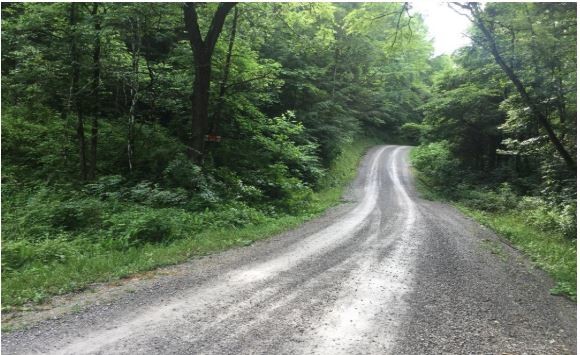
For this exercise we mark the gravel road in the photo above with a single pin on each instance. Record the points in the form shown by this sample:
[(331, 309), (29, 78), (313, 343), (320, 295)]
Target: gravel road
[(386, 272)]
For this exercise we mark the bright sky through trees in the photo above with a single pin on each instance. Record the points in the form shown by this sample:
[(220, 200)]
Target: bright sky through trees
[(446, 27)]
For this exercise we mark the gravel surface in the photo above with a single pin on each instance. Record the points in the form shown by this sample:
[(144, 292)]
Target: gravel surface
[(386, 272)]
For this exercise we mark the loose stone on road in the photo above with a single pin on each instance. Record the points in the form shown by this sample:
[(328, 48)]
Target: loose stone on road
[(388, 273)]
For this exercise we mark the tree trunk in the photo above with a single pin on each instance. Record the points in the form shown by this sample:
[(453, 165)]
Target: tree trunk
[(76, 74), (134, 87), (202, 53), (542, 119), (96, 85), (336, 57)]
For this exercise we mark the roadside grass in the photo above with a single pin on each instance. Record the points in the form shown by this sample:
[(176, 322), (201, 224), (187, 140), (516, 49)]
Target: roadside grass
[(38, 282), (551, 252), (547, 248), (495, 248), (84, 261)]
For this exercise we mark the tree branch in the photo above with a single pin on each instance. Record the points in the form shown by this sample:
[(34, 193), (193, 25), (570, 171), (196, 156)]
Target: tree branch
[(479, 22), (191, 24), (216, 24)]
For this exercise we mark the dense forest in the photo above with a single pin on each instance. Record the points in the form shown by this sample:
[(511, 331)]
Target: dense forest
[(136, 135), (498, 134)]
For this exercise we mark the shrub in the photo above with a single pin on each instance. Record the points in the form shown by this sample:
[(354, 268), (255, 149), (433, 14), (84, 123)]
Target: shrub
[(542, 215), (436, 163), (286, 192), (106, 187), (181, 172), (503, 199), (60, 248), (15, 254), (151, 194), (138, 226), (76, 214), (235, 216), (150, 229), (38, 213)]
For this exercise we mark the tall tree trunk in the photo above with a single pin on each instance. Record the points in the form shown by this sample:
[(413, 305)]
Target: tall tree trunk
[(536, 111), (76, 74), (223, 84), (336, 57), (96, 85), (134, 87), (202, 53)]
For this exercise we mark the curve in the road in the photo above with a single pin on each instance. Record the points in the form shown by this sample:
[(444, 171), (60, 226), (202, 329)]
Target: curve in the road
[(391, 273)]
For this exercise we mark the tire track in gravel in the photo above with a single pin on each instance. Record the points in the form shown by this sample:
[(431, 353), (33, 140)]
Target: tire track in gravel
[(227, 290), (392, 273)]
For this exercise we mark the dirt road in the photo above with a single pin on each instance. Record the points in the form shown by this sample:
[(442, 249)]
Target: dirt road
[(385, 272)]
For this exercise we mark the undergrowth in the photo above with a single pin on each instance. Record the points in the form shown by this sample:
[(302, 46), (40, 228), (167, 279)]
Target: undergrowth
[(544, 233), (56, 242)]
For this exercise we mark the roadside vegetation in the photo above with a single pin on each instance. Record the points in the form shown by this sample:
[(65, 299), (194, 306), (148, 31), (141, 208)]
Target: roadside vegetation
[(137, 135), (499, 132), (68, 241), (543, 232)]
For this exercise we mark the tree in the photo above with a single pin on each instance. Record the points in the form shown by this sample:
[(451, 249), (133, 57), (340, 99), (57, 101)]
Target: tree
[(75, 91), (96, 87), (478, 17), (202, 49)]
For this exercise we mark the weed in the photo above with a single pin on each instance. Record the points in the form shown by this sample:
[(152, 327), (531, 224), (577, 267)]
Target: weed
[(123, 237), (495, 248), (551, 252), (544, 233)]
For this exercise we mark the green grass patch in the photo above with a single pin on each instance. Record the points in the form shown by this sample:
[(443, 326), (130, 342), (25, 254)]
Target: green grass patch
[(495, 248), (551, 252), (541, 232), (38, 281), (129, 238)]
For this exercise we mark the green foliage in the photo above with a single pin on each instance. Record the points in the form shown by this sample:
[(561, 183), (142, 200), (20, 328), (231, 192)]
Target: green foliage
[(181, 172), (412, 132), (500, 200), (34, 143), (138, 226), (76, 214), (483, 147), (437, 163), (542, 215), (547, 249), (40, 259)]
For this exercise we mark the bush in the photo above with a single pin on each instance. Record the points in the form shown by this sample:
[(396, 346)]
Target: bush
[(503, 199), (542, 215), (286, 192), (37, 213), (139, 226), (181, 172), (33, 145), (60, 248), (16, 254), (150, 229), (151, 194), (76, 214), (106, 187), (436, 164), (236, 215)]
